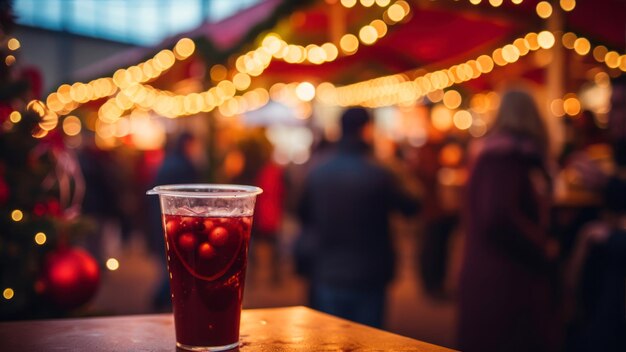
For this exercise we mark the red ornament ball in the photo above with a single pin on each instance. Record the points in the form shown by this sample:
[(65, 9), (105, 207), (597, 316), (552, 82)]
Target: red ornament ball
[(70, 277)]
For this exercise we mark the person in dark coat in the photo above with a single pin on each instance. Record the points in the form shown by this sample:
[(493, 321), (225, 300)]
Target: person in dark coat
[(508, 295), (598, 266), (344, 210)]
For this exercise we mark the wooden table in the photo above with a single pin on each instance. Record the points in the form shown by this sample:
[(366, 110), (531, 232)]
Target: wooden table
[(274, 329)]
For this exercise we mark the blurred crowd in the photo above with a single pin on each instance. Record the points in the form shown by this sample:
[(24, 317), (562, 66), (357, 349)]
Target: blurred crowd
[(544, 255)]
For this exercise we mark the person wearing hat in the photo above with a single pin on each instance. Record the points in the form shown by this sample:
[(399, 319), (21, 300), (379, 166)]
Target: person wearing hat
[(344, 210)]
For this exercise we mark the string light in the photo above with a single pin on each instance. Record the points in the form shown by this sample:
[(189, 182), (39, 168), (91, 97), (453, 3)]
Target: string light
[(15, 117), (394, 89), (567, 5), (131, 93), (252, 64), (462, 119), (17, 215), (8, 293), (571, 105), (305, 91), (13, 44), (40, 238), (544, 9), (112, 264), (9, 60), (452, 99), (349, 44), (72, 125)]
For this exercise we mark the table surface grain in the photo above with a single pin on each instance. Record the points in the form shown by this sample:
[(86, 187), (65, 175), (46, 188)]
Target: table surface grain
[(271, 329)]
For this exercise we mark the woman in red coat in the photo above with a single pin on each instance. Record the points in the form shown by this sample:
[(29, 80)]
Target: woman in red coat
[(507, 286)]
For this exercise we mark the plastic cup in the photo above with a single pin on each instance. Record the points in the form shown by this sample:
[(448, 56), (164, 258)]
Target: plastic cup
[(207, 231)]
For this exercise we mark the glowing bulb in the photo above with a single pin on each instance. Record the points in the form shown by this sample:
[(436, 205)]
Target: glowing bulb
[(533, 41), (462, 119), (241, 81), (612, 59), (164, 59), (571, 106), (568, 5), (331, 51), (17, 215), (15, 116), (315, 54), (545, 39), (485, 63), (13, 44), (272, 43), (582, 46), (544, 9), (396, 12), (452, 99), (495, 3), (40, 238), (568, 40), (349, 43), (383, 3), (294, 54), (522, 46), (510, 53), (8, 293), (475, 2), (368, 35), (9, 60), (227, 88), (498, 58), (72, 125), (367, 3), (305, 91), (599, 52), (112, 264), (184, 48), (380, 27)]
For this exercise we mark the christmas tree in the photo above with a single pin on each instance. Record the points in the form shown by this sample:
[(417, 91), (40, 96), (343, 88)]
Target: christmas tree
[(41, 275)]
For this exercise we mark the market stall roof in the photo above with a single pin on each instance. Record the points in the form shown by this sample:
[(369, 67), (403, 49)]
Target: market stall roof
[(437, 34)]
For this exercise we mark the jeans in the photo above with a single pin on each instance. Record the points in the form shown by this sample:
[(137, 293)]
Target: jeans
[(365, 306)]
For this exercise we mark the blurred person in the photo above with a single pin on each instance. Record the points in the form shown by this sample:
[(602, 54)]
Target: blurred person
[(508, 296), (344, 211), (597, 270), (177, 167), (260, 170), (102, 193), (439, 218), (582, 134)]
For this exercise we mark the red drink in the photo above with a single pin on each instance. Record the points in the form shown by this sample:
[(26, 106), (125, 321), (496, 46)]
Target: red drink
[(207, 258)]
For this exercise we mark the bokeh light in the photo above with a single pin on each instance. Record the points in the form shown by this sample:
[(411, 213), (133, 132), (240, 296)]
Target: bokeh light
[(112, 264)]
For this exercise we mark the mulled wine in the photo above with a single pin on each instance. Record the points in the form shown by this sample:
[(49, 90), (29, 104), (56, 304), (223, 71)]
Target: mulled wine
[(207, 259)]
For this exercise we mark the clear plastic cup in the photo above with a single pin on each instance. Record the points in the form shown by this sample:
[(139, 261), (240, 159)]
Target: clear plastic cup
[(207, 231)]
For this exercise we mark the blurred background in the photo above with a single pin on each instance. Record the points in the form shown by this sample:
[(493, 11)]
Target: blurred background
[(101, 100)]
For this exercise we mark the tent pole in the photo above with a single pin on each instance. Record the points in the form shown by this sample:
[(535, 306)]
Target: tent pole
[(555, 79), (337, 22)]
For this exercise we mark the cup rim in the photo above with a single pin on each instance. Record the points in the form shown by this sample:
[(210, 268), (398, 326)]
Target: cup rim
[(205, 190)]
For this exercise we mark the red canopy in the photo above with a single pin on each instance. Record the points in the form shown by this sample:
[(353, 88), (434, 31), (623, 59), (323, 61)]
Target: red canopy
[(436, 35)]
